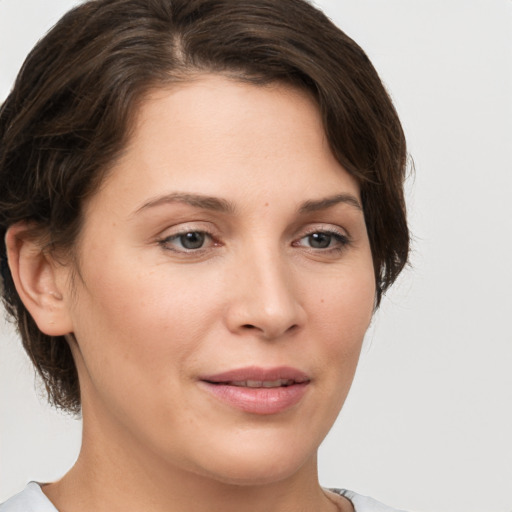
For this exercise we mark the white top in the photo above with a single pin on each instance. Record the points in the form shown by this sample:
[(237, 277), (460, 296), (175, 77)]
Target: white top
[(361, 503), (32, 499)]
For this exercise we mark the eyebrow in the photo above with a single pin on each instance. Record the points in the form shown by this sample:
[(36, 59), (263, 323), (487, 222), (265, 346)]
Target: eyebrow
[(329, 202), (196, 200), (222, 205)]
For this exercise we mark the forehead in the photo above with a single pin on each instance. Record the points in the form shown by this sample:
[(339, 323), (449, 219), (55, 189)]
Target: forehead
[(213, 106), (218, 137)]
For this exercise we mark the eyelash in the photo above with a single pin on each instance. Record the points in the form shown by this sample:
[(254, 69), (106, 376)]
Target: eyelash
[(341, 239)]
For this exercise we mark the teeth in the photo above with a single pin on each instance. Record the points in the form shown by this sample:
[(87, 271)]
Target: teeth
[(253, 383), (262, 384), (273, 383)]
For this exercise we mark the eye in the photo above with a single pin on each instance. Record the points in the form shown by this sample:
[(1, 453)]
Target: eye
[(323, 240), (319, 240), (192, 240), (186, 241)]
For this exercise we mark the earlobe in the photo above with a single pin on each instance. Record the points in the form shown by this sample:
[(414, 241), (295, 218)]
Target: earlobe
[(39, 280)]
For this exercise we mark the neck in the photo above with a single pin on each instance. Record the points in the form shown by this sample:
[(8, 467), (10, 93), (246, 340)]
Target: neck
[(117, 473)]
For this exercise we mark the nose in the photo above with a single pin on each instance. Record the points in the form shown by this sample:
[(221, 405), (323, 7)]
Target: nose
[(264, 298)]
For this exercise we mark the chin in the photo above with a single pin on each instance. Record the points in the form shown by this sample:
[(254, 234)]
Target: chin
[(246, 475), (257, 463)]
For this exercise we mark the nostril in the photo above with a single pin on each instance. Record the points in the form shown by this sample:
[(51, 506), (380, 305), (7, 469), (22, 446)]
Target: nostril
[(267, 332), (292, 328)]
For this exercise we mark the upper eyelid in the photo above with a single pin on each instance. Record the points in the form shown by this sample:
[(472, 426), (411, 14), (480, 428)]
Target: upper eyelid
[(177, 234), (187, 227), (185, 231), (342, 237), (215, 232), (324, 228)]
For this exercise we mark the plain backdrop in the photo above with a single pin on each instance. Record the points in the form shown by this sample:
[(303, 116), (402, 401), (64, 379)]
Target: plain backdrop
[(428, 423)]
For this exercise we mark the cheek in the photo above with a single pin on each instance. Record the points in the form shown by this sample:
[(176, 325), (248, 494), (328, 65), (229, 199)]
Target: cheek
[(148, 321), (344, 312), (346, 304), (136, 339)]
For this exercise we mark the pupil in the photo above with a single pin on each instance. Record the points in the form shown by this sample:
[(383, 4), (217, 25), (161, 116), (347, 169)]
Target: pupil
[(193, 240), (320, 240)]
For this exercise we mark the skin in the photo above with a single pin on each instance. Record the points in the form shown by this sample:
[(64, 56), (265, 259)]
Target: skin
[(151, 317)]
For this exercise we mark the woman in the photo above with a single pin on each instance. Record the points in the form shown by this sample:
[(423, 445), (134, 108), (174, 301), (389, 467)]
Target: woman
[(202, 208)]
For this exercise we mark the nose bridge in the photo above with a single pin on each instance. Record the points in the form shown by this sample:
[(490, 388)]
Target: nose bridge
[(266, 298)]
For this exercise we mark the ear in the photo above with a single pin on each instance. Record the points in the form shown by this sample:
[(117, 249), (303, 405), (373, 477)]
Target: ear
[(41, 282)]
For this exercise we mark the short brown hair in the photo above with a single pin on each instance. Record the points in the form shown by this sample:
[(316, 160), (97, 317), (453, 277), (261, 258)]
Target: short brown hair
[(68, 116)]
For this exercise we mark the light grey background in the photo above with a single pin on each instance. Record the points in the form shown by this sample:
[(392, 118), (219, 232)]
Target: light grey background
[(428, 424)]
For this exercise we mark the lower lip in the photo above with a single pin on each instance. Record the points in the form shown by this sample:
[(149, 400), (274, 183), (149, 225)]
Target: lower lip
[(258, 400)]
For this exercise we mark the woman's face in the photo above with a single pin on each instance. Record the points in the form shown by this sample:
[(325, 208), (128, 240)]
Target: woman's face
[(226, 284)]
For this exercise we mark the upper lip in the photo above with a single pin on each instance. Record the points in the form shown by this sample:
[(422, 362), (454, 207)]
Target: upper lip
[(255, 373)]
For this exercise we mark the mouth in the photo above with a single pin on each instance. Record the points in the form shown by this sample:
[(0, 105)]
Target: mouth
[(258, 391), (258, 383)]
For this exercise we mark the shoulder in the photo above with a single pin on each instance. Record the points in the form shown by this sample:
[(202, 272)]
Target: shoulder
[(31, 499), (363, 503)]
